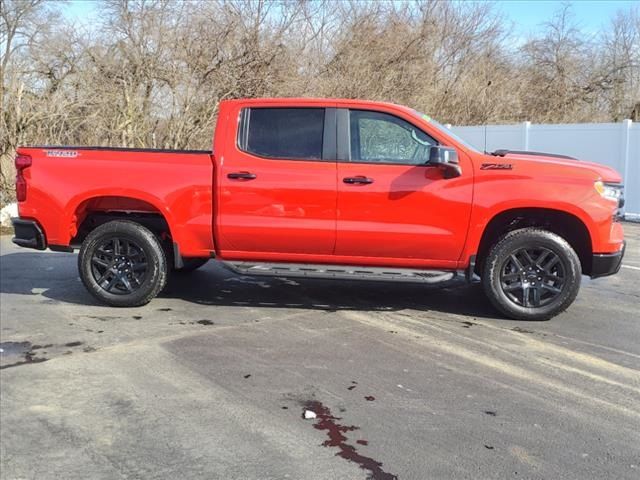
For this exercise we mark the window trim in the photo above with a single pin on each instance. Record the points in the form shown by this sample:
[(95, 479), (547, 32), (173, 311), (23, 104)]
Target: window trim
[(344, 138), (329, 130)]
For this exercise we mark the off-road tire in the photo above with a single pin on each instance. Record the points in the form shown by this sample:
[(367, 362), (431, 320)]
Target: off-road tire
[(500, 257), (147, 246)]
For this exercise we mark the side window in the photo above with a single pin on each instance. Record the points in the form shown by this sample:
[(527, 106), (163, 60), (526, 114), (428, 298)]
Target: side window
[(294, 133), (382, 138)]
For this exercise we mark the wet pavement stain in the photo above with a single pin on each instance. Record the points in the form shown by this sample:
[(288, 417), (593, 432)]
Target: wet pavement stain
[(28, 360), (14, 348), (205, 322), (102, 318), (335, 431), (522, 330), (19, 349), (198, 322), (29, 352)]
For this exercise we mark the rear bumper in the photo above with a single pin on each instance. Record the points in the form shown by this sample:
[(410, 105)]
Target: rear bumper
[(28, 234), (607, 263)]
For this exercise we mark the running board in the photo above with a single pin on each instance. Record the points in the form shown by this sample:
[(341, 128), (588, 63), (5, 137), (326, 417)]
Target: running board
[(342, 272)]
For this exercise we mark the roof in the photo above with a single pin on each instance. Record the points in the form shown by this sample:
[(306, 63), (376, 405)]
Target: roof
[(323, 101)]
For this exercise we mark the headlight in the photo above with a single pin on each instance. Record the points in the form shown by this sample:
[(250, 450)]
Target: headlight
[(612, 191)]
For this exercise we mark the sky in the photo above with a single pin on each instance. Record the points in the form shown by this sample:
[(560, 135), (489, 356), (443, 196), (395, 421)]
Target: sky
[(590, 15), (527, 15)]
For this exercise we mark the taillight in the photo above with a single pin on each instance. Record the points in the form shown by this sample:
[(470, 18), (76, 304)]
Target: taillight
[(21, 162)]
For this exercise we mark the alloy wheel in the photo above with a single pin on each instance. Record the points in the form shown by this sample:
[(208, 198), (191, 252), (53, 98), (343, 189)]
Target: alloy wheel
[(533, 277), (119, 265)]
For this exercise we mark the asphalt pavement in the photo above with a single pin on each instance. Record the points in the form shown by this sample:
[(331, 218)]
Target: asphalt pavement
[(211, 380)]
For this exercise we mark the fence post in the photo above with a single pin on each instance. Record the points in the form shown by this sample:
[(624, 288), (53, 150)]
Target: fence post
[(525, 134), (626, 139)]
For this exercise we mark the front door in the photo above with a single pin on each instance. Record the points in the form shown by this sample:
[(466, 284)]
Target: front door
[(277, 184), (391, 206)]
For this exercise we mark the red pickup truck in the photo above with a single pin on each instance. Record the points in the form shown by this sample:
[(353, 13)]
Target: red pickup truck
[(343, 189)]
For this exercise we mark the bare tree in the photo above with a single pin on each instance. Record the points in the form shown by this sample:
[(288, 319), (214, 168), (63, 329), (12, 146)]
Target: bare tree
[(152, 72)]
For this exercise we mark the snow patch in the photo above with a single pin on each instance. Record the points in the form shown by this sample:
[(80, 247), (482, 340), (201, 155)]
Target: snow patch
[(10, 210)]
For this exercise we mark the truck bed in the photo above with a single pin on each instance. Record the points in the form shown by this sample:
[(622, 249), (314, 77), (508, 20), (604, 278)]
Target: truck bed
[(69, 183)]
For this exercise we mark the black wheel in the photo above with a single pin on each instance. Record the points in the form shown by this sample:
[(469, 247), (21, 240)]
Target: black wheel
[(122, 264), (191, 264), (531, 274)]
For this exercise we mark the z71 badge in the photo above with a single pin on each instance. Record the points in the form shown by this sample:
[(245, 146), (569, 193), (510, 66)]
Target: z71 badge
[(496, 166), (61, 153)]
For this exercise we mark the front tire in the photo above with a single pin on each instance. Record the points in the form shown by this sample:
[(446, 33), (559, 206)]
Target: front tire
[(531, 274), (122, 264)]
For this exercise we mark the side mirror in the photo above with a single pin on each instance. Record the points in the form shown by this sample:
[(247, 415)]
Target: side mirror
[(445, 158)]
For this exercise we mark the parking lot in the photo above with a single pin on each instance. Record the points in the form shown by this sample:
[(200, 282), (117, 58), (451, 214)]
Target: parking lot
[(211, 380)]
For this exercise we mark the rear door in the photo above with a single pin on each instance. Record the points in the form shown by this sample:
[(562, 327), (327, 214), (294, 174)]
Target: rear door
[(277, 183), (392, 207)]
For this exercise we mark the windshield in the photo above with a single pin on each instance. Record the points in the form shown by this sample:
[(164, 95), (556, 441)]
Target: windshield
[(446, 131)]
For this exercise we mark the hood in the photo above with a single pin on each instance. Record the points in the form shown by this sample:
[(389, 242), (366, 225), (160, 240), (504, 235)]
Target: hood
[(606, 174)]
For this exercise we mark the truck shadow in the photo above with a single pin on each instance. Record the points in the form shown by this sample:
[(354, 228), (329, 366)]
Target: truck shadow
[(55, 277)]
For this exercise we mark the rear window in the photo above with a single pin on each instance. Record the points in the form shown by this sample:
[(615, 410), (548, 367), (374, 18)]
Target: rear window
[(291, 133)]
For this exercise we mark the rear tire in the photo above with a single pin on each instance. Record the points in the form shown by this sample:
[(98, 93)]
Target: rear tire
[(122, 264), (531, 274)]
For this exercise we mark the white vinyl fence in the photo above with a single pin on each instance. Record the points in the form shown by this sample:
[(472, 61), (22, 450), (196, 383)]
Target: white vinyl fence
[(613, 144)]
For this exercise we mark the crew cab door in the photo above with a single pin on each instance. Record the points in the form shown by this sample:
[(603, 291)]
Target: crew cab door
[(393, 207), (277, 183)]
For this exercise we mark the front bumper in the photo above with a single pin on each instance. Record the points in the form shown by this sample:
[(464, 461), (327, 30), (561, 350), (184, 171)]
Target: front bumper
[(607, 263), (28, 234)]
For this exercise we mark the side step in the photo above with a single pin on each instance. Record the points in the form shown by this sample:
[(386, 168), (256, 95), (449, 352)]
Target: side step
[(342, 272)]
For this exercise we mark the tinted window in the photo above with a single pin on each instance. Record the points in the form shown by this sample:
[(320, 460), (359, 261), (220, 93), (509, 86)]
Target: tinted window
[(282, 132), (382, 138)]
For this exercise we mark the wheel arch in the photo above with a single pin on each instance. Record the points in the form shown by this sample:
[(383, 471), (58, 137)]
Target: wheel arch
[(95, 210), (565, 224)]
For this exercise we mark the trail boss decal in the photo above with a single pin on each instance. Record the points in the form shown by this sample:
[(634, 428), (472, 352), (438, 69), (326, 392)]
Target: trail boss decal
[(496, 166), (61, 153)]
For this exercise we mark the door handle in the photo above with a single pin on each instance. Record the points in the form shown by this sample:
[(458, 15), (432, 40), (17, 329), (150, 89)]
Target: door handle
[(241, 176), (359, 180)]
